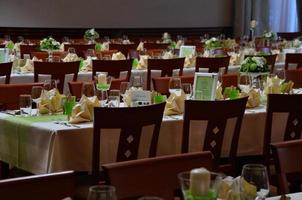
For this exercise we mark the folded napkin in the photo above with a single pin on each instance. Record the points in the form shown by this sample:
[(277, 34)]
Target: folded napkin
[(168, 55), (127, 96), (229, 43), (253, 98), (29, 65), (219, 95), (175, 104), (190, 61), (83, 111), (143, 62), (235, 58), (71, 57), (105, 46), (140, 47), (87, 65), (118, 56), (126, 42), (206, 53), (50, 102), (17, 46), (272, 85), (287, 87)]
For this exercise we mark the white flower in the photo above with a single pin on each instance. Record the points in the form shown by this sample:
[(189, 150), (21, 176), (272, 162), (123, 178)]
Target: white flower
[(213, 39), (296, 43), (92, 31)]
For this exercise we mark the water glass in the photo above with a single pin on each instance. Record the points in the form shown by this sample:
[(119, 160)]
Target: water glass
[(103, 82), (103, 97), (71, 50), (244, 82), (137, 81), (114, 98), (187, 88), (68, 105), (175, 86), (25, 104), (254, 182), (88, 89), (90, 53), (101, 192), (50, 84)]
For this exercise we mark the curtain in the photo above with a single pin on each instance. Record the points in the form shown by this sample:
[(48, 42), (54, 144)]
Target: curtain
[(247, 10), (299, 14)]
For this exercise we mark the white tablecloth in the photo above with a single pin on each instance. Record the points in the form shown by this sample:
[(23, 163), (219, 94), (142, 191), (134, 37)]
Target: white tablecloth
[(294, 196), (48, 147)]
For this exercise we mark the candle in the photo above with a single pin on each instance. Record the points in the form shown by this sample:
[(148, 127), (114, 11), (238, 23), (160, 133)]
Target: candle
[(199, 182), (102, 79)]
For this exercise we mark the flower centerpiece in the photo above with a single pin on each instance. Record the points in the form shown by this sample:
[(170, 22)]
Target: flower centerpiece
[(166, 38), (254, 65), (91, 34), (49, 44), (270, 35), (213, 43)]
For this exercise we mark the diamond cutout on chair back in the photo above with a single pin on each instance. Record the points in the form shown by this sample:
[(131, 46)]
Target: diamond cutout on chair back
[(213, 143), (130, 139), (127, 153), (295, 122), (293, 134), (215, 130)]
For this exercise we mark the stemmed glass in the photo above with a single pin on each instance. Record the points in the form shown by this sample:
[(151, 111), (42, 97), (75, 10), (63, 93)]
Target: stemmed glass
[(137, 82), (102, 192), (244, 82), (254, 182), (175, 86), (114, 98), (279, 72), (187, 88), (36, 93), (88, 89), (25, 105), (50, 84), (71, 50)]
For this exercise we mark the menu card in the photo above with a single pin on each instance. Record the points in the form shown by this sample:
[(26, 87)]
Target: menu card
[(4, 57), (205, 86), (187, 51)]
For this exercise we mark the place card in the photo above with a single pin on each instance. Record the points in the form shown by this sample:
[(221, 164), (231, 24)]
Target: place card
[(186, 51), (204, 87), (140, 98), (4, 56)]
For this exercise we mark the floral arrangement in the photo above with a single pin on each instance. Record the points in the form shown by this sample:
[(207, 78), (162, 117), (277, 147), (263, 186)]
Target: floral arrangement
[(297, 43), (49, 43), (253, 24), (91, 34), (254, 64), (166, 38), (270, 35), (213, 43)]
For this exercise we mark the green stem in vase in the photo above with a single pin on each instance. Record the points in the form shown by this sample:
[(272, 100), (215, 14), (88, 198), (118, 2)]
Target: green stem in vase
[(103, 86)]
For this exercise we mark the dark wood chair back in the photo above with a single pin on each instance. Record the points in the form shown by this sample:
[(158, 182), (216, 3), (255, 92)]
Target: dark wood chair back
[(55, 186), (161, 84), (287, 161), (10, 94), (44, 55), (281, 103), (213, 63), (130, 120), (229, 80), (80, 49), (151, 45), (167, 66), (270, 60), (216, 113), (105, 54), (123, 48), (293, 58), (294, 75), (153, 176), (5, 70), (27, 49), (112, 67), (57, 70)]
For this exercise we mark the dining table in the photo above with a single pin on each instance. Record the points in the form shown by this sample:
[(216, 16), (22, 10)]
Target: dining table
[(49, 143), (293, 196)]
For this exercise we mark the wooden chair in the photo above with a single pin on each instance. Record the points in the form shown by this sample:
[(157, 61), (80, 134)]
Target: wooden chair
[(80, 49), (55, 186), (161, 84), (294, 75), (27, 49), (293, 58), (130, 120), (166, 66), (216, 113), (213, 63), (75, 87), (57, 70), (153, 176), (151, 45), (112, 67), (103, 54), (281, 103), (123, 48), (270, 60), (10, 94), (5, 70), (287, 161), (44, 55)]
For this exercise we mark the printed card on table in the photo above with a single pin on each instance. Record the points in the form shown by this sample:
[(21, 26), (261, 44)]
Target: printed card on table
[(4, 56), (205, 86), (187, 51)]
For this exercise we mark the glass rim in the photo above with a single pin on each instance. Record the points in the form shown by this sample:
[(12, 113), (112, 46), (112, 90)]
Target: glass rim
[(102, 188), (254, 166), (179, 175)]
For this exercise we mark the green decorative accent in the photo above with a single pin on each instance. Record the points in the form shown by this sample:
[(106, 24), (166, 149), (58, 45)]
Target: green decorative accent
[(91, 34), (68, 105), (254, 64), (172, 45), (213, 43), (135, 63), (159, 99), (81, 63), (10, 45), (103, 86), (49, 44), (98, 46), (211, 195), (231, 92)]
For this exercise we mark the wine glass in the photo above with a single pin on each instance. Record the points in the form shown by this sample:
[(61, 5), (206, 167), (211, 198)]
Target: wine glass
[(101, 192), (71, 50), (114, 98), (103, 81), (103, 97), (50, 84), (279, 72), (25, 105), (175, 86), (187, 88), (137, 81), (36, 93), (254, 182), (244, 82), (88, 89)]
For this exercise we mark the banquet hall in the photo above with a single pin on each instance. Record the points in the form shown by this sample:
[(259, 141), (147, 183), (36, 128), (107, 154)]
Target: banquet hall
[(150, 100)]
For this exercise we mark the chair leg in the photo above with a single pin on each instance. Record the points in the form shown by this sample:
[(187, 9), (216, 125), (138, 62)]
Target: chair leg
[(4, 170)]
